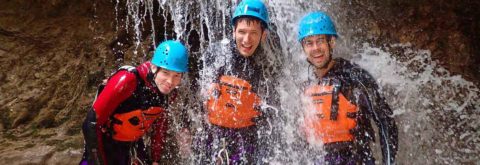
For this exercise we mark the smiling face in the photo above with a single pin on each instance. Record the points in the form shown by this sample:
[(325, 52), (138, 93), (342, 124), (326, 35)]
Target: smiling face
[(248, 34), (166, 80), (318, 50)]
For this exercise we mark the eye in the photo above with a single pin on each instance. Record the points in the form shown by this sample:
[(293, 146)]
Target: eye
[(164, 72), (178, 75), (322, 40), (308, 43)]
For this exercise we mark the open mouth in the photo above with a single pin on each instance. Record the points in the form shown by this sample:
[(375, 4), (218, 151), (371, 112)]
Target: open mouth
[(247, 48), (318, 58)]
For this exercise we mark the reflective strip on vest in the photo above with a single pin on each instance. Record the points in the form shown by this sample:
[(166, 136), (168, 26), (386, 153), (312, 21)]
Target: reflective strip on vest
[(231, 103), (134, 124), (319, 125)]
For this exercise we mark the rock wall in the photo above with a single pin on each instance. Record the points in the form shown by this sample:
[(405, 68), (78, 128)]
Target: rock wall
[(449, 29), (52, 55)]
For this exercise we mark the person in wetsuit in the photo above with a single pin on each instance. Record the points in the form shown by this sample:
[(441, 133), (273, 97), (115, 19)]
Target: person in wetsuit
[(134, 102), (341, 101), (233, 103)]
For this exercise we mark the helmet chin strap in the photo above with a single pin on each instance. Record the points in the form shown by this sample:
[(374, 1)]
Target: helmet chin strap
[(151, 77)]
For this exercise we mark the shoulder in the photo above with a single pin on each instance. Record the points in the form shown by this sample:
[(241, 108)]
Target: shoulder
[(123, 77), (143, 70), (348, 67), (352, 73), (122, 81)]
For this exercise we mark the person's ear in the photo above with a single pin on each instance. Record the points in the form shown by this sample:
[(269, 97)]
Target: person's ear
[(153, 68), (303, 47), (264, 35), (233, 31), (333, 41)]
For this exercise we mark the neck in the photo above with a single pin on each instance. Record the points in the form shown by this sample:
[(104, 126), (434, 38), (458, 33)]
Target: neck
[(320, 72)]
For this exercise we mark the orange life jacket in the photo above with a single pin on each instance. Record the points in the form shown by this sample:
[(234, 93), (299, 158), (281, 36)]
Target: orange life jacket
[(324, 125), (231, 103), (132, 125)]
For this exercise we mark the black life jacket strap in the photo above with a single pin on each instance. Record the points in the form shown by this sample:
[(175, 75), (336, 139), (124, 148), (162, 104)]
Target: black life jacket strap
[(334, 109)]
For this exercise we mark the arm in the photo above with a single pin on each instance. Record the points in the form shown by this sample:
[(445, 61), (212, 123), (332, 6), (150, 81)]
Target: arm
[(382, 115), (117, 89)]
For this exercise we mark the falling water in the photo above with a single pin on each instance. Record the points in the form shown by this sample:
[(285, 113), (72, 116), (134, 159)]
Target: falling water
[(436, 112)]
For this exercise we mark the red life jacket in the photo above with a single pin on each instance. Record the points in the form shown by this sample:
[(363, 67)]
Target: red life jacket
[(232, 103), (133, 125), (329, 117)]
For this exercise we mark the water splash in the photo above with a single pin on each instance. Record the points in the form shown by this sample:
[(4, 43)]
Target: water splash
[(437, 112), (431, 106)]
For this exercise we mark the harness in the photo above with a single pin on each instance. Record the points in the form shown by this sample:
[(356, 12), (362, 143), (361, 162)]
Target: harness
[(329, 116), (232, 103)]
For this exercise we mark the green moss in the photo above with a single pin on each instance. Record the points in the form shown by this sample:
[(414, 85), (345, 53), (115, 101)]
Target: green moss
[(43, 136), (73, 131), (69, 144), (29, 145), (32, 131), (5, 120), (26, 146), (9, 135), (53, 142), (5, 144)]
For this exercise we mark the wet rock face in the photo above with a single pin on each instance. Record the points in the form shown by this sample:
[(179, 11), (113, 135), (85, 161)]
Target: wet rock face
[(48, 54), (448, 29), (53, 54)]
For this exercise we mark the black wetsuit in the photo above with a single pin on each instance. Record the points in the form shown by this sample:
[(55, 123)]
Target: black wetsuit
[(360, 89)]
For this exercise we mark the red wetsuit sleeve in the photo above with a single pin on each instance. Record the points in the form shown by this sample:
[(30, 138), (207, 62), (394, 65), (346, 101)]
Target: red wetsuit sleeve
[(118, 88), (159, 131)]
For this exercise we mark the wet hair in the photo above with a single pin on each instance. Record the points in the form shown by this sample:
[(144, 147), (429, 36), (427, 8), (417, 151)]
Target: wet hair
[(329, 41), (328, 37), (249, 20)]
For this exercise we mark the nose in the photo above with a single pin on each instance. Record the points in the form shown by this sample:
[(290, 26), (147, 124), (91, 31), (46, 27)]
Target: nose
[(247, 38), (169, 80), (316, 46)]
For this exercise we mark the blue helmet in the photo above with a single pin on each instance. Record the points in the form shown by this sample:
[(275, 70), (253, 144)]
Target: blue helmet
[(316, 23), (171, 55), (253, 8)]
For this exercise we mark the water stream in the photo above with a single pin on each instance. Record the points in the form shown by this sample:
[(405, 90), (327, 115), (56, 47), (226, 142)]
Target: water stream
[(437, 112)]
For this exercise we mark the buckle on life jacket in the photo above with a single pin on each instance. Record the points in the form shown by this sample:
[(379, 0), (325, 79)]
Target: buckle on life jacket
[(231, 103)]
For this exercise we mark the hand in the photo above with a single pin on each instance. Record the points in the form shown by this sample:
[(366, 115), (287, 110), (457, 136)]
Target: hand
[(155, 163)]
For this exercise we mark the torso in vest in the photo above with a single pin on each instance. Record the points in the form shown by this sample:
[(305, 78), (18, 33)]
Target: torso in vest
[(233, 101), (330, 111), (132, 119)]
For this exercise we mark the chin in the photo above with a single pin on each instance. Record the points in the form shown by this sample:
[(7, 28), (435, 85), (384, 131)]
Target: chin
[(246, 54), (166, 92)]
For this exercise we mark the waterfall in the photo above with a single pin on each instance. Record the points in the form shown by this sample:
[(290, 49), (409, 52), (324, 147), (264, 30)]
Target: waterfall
[(437, 112)]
